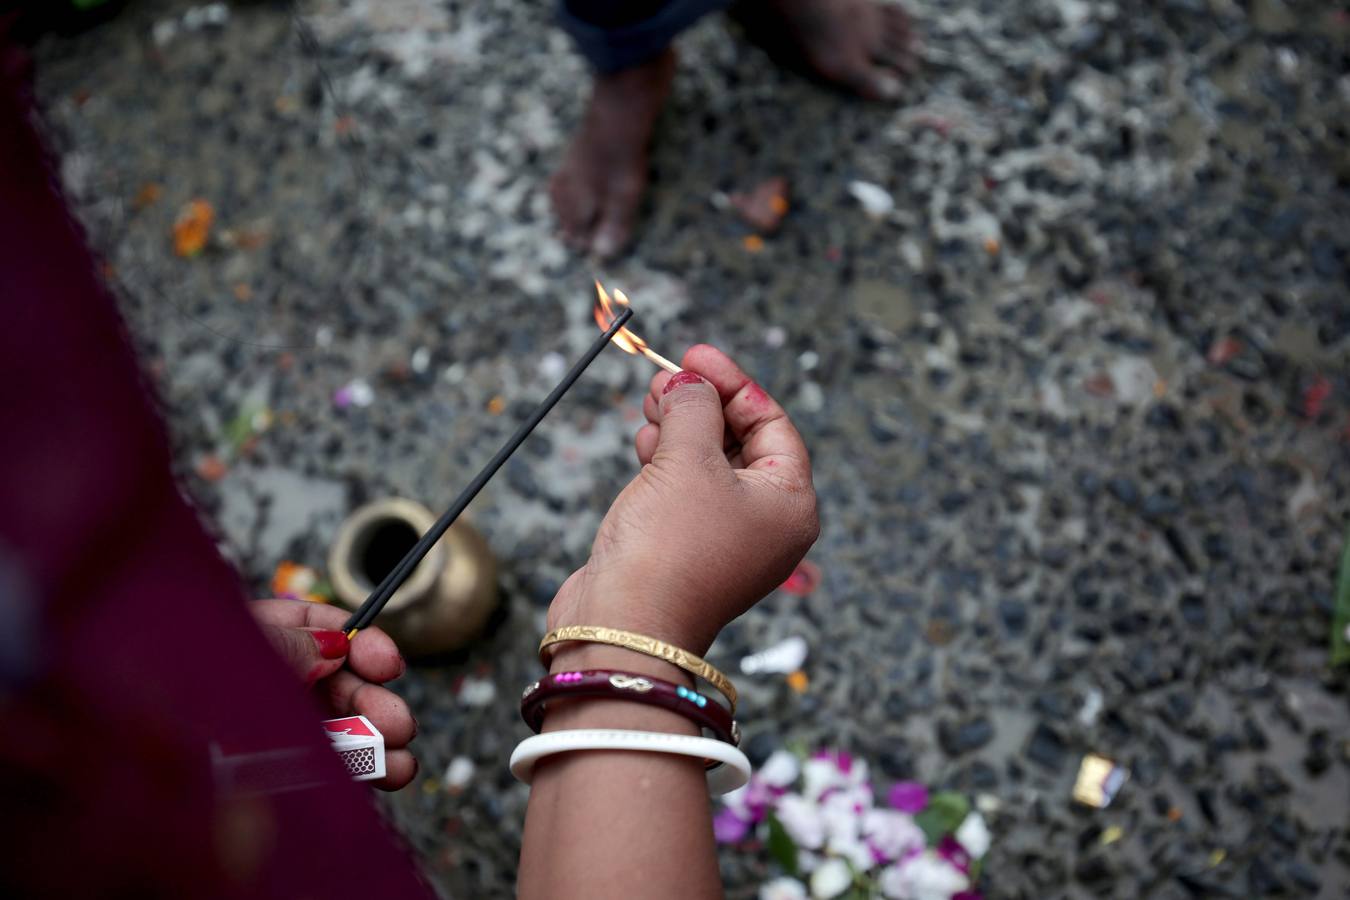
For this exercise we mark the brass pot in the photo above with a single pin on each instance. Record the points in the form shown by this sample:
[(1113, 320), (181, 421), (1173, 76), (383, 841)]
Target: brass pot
[(446, 600)]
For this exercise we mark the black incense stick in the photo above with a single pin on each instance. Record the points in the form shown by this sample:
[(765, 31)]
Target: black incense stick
[(391, 582)]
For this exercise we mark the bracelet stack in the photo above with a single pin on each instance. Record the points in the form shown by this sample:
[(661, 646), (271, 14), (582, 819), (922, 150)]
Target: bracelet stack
[(728, 768)]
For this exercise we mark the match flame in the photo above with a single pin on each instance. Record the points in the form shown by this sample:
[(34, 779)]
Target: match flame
[(606, 310)]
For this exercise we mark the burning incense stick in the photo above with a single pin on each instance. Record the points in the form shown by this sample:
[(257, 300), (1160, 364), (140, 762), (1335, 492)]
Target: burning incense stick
[(625, 339), (394, 580)]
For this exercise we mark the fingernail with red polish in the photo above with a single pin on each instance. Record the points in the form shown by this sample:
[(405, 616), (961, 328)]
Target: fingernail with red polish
[(681, 378), (332, 644)]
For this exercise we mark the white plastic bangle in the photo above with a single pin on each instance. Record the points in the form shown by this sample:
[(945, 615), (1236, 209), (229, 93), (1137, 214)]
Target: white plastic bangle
[(732, 774)]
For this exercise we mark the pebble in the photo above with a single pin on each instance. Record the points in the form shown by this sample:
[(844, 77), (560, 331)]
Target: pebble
[(875, 200), (961, 737)]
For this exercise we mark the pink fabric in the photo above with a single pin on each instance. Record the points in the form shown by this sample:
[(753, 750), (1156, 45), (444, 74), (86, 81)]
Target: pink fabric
[(127, 657)]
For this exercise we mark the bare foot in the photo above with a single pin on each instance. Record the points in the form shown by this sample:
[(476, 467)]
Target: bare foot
[(597, 189), (860, 45)]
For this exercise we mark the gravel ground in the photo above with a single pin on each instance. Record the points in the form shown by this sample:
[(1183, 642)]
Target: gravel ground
[(1078, 401)]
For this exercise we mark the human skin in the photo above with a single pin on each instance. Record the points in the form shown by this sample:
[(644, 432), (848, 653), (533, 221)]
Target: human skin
[(721, 512)]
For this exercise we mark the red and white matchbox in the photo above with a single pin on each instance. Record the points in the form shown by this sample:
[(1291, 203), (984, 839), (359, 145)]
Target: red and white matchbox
[(359, 744)]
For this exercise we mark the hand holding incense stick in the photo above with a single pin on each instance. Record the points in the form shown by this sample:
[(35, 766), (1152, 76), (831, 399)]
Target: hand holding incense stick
[(391, 582)]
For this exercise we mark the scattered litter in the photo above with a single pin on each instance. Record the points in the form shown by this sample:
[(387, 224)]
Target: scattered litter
[(988, 804), (798, 681), (808, 360), (193, 227), (215, 14), (992, 246), (458, 774), (803, 580), (1316, 396), (763, 206), (147, 195), (293, 581), (775, 336), (753, 243), (939, 632), (242, 292), (1111, 834), (552, 365), (477, 691), (1217, 856), (1222, 350), (1092, 707), (1304, 498), (243, 238), (785, 656), (211, 468), (421, 359), (496, 405), (1099, 780), (164, 31), (356, 392), (876, 201), (1174, 814), (252, 420), (323, 336)]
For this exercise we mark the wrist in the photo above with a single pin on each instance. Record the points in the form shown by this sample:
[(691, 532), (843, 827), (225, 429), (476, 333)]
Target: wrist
[(645, 610)]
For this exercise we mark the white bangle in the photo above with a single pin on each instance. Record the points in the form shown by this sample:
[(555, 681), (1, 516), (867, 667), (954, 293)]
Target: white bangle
[(732, 774)]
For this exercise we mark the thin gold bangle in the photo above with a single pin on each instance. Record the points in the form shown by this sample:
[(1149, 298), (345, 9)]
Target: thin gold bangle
[(640, 643)]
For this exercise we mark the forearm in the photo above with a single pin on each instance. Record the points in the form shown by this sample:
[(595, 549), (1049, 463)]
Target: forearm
[(618, 824)]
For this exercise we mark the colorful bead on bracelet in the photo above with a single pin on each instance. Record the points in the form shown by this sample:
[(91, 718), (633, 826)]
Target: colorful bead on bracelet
[(608, 683)]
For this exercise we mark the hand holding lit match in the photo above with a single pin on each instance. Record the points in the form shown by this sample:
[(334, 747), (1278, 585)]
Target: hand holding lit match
[(706, 529)]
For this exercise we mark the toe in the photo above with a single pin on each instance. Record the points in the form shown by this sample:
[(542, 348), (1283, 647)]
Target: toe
[(861, 76), (898, 42), (574, 204), (615, 227)]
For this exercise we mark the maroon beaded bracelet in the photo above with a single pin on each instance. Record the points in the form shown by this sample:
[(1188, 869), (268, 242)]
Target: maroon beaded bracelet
[(627, 686)]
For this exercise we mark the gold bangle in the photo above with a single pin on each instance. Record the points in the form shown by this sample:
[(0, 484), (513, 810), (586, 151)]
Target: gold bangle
[(640, 643)]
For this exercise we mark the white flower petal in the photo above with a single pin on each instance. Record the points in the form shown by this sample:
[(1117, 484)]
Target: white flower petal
[(973, 835), (802, 821), (780, 769), (923, 877), (831, 879), (818, 776), (783, 889), (893, 833)]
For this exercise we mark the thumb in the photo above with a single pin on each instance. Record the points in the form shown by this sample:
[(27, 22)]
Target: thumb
[(312, 653), (691, 419)]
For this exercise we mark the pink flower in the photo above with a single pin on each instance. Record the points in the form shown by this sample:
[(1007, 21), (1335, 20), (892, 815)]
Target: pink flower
[(729, 828), (952, 851), (908, 797), (842, 759), (891, 835)]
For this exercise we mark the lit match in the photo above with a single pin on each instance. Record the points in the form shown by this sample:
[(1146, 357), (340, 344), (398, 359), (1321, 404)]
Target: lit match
[(625, 339)]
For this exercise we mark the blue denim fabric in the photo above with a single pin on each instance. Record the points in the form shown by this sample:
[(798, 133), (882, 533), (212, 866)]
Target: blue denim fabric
[(619, 34)]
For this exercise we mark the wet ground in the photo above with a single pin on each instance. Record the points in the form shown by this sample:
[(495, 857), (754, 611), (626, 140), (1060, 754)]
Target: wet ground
[(1078, 400)]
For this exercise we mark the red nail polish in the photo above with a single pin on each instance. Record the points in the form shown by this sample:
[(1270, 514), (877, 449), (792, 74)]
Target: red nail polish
[(681, 378), (332, 644)]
